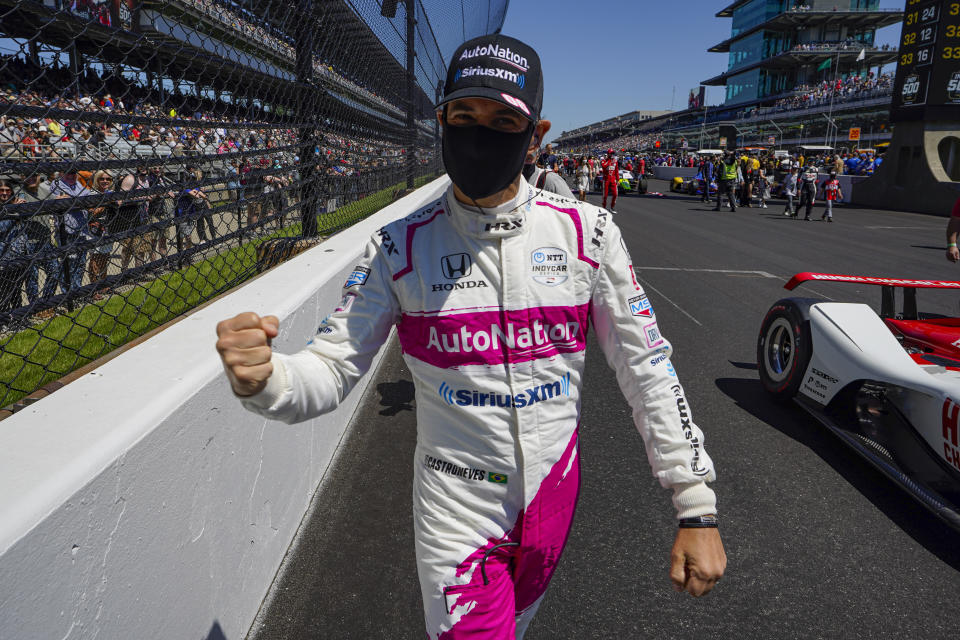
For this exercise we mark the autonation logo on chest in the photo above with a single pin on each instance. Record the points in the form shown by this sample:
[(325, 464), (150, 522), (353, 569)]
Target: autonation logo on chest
[(533, 395)]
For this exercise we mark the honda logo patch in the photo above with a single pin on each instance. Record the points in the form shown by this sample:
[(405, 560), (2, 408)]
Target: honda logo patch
[(456, 265)]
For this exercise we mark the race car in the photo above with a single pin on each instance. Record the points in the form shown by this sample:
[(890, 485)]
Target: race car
[(887, 385), (693, 186)]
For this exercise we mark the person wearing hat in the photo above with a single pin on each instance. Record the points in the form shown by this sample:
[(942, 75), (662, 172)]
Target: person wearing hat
[(492, 288)]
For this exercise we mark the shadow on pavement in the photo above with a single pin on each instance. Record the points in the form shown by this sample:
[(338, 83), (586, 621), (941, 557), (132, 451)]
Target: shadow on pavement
[(396, 397), (789, 419), (216, 632), (926, 246)]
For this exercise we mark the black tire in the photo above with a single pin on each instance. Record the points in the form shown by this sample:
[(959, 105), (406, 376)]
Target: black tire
[(784, 348)]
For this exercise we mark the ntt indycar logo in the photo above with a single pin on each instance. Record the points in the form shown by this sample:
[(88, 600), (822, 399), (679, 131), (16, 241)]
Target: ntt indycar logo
[(516, 78), (533, 395), (498, 52)]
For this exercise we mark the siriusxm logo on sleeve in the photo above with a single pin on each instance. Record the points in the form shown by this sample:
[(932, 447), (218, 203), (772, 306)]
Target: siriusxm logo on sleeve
[(533, 395)]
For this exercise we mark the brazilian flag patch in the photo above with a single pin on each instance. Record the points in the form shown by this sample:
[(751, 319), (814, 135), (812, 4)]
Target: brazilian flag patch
[(498, 478)]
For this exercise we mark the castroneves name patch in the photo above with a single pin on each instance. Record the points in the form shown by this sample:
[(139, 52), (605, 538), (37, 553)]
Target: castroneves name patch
[(466, 473)]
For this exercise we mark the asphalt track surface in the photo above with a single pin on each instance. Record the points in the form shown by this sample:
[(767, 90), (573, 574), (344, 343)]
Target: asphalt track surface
[(819, 544)]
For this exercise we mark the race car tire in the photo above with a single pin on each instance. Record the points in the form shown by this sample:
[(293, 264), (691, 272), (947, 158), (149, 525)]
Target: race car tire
[(642, 185), (784, 348)]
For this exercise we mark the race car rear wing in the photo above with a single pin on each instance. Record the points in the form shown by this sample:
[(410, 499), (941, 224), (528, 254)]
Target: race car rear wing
[(890, 285)]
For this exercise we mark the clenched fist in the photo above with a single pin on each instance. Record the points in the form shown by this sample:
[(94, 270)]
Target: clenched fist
[(697, 561), (244, 346)]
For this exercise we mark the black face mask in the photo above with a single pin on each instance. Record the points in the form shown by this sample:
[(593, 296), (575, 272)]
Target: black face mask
[(483, 161)]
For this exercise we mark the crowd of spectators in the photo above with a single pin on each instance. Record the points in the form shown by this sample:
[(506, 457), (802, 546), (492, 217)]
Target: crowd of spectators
[(854, 87), (58, 249), (253, 30), (248, 26), (834, 45), (232, 128)]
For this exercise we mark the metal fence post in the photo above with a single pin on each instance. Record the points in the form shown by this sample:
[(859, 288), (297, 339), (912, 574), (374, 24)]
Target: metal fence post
[(411, 83), (437, 161), (309, 205)]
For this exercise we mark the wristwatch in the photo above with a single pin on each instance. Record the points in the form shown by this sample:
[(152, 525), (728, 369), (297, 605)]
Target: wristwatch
[(699, 522)]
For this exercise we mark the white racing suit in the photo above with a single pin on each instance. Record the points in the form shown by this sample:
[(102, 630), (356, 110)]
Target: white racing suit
[(492, 310)]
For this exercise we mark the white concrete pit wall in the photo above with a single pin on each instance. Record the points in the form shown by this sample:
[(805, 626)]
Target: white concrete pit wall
[(669, 173), (142, 501)]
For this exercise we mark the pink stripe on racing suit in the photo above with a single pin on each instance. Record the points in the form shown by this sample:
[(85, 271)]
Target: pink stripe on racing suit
[(492, 310)]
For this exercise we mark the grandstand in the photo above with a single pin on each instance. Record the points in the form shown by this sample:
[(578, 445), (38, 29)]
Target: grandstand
[(775, 46), (221, 134), (815, 73)]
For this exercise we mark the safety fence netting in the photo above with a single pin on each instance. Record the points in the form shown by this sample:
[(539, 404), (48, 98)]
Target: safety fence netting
[(155, 154)]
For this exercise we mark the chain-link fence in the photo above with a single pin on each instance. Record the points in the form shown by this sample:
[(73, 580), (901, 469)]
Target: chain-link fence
[(154, 154)]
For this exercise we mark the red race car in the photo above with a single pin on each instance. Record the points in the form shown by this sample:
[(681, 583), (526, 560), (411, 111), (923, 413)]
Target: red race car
[(887, 385)]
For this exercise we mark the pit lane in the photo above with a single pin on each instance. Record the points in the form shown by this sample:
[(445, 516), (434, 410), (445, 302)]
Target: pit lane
[(819, 544)]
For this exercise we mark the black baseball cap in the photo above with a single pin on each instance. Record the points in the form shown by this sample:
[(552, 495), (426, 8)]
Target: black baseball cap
[(498, 68)]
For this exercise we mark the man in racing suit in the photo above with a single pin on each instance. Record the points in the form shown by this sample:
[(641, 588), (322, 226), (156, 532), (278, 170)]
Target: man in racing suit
[(611, 176), (808, 190), (492, 289)]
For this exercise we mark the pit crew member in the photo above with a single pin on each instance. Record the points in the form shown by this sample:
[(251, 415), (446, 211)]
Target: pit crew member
[(610, 167), (831, 193)]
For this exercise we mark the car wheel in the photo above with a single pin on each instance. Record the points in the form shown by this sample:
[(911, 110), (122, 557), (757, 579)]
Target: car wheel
[(783, 348)]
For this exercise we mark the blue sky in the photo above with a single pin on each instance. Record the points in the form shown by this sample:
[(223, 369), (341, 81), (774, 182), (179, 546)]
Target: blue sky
[(602, 58)]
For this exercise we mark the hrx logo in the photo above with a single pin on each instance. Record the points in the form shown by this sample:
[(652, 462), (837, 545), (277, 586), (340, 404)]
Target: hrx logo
[(508, 225), (478, 398)]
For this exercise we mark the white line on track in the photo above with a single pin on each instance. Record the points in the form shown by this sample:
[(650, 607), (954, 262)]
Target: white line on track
[(660, 293), (925, 228), (762, 274)]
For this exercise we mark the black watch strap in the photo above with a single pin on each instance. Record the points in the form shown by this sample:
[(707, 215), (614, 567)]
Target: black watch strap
[(699, 522)]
